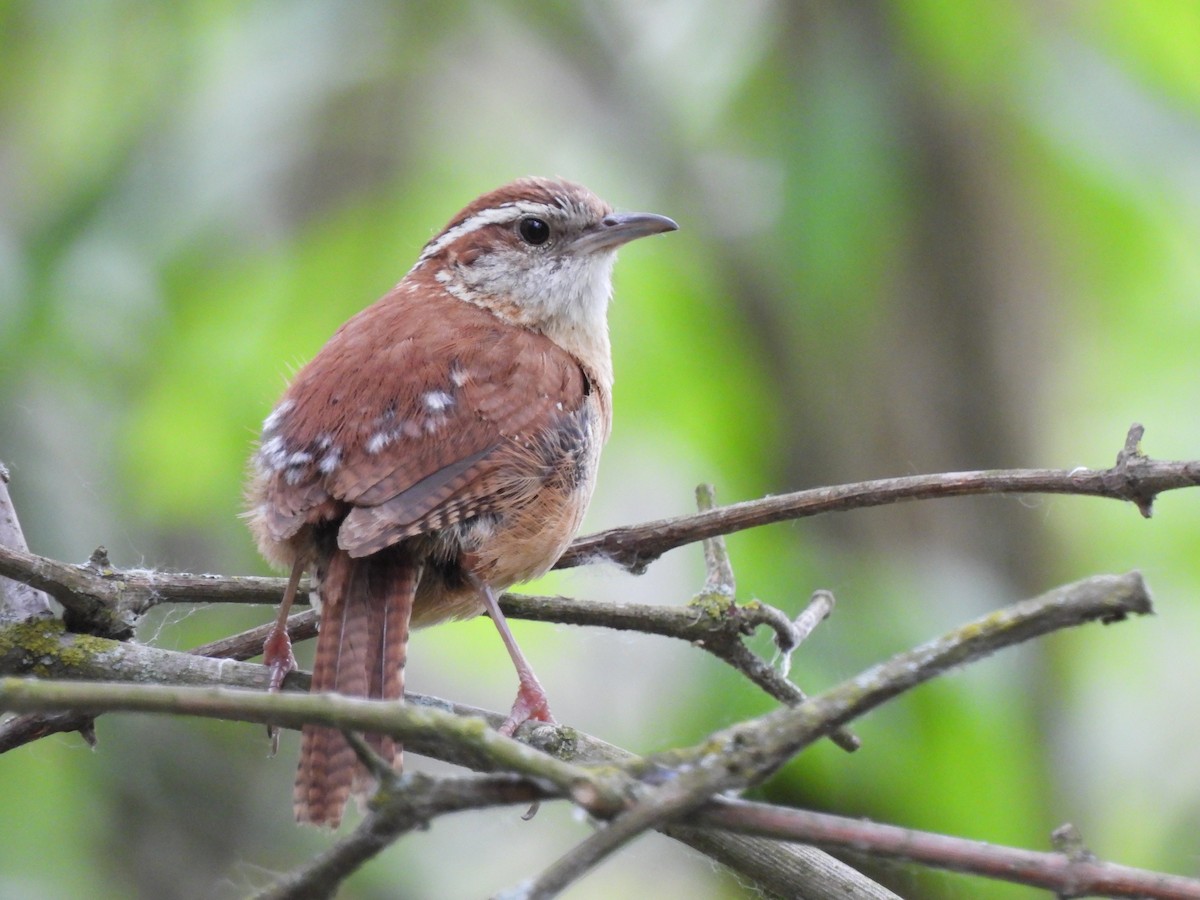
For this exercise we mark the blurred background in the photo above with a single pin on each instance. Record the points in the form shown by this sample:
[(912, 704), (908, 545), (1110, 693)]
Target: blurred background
[(916, 236)]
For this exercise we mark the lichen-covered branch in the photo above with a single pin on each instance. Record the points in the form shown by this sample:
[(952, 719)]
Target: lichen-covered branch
[(641, 793), (410, 722)]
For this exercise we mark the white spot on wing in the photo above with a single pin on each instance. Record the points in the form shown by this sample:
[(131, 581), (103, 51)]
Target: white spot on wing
[(273, 421), (273, 454), (330, 460), (437, 401)]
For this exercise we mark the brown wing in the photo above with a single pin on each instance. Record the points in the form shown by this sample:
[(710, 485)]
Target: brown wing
[(398, 423)]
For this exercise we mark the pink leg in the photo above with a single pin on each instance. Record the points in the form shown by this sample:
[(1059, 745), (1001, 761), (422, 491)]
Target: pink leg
[(277, 648), (531, 702)]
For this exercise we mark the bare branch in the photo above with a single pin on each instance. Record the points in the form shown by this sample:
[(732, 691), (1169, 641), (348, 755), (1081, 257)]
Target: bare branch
[(720, 578), (18, 600), (755, 747), (681, 794), (1135, 478), (820, 605), (409, 722), (92, 590), (1067, 874), (414, 802), (781, 869), (248, 644), (713, 623), (751, 751), (653, 793), (747, 753), (665, 786), (787, 870), (20, 730), (46, 649)]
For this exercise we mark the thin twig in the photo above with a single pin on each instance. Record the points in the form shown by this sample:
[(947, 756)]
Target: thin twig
[(820, 605), (20, 730), (717, 626), (377, 767), (775, 682), (717, 565), (248, 644)]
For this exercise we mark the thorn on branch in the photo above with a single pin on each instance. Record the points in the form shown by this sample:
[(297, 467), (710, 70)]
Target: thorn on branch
[(820, 605), (1133, 442), (30, 727), (99, 562), (1067, 840), (1124, 477)]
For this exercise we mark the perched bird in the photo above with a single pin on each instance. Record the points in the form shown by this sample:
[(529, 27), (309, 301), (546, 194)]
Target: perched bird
[(442, 446)]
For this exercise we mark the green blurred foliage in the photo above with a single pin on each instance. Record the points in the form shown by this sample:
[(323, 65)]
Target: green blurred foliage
[(916, 236)]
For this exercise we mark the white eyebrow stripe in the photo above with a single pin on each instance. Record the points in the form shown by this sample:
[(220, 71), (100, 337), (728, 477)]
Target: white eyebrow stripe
[(497, 215)]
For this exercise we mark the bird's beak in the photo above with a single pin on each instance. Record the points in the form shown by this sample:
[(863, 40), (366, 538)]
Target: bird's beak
[(621, 228)]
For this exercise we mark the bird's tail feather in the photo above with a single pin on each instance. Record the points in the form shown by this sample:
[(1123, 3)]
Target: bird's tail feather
[(361, 650)]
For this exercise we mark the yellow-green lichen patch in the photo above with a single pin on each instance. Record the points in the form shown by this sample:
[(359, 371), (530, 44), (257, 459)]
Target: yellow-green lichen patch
[(43, 648)]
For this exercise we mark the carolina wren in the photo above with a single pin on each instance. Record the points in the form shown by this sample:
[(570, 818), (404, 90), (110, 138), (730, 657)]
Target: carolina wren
[(441, 447)]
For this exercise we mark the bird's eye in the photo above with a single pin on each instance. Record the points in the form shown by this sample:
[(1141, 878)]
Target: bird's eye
[(534, 231)]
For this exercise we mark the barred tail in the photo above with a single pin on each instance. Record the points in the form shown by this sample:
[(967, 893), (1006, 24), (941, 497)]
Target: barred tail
[(361, 651)]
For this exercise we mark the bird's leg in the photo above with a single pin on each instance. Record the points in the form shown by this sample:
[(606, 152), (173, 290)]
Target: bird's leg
[(277, 648), (531, 702)]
